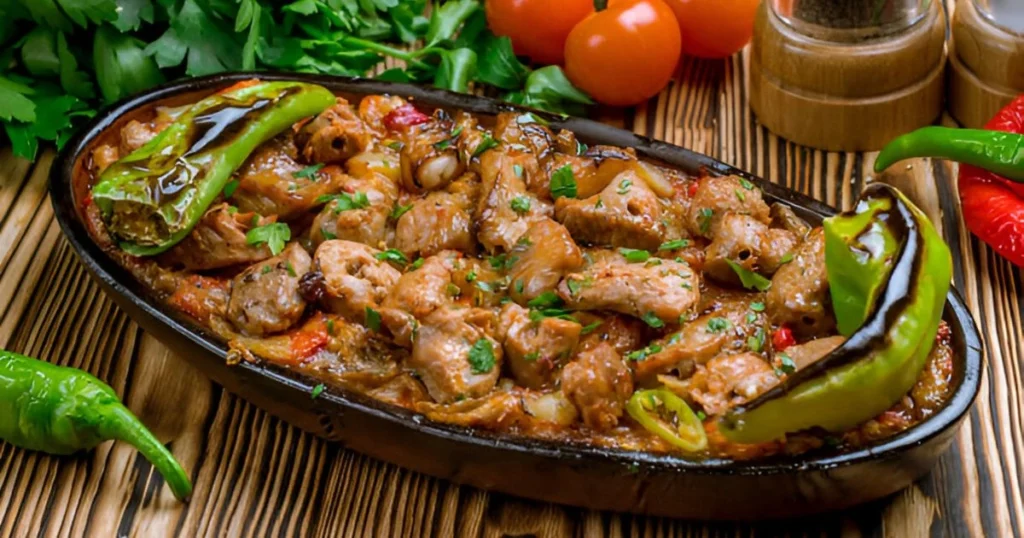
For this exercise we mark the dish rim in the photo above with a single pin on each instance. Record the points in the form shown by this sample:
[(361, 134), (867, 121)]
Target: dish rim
[(109, 272)]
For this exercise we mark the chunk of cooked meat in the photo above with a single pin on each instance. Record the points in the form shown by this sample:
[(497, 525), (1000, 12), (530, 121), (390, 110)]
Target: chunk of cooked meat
[(218, 241), (598, 383), (535, 351), (359, 213), (495, 411), (626, 213), (665, 291), (383, 161), (335, 135), (717, 196), (440, 221), (479, 283), (730, 380), (505, 210), (423, 290), (373, 109), (430, 156), (699, 340), (623, 333), (134, 135), (779, 246), (785, 218), (521, 130), (737, 238), (455, 354), (103, 156), (546, 254), (809, 352), (347, 279), (265, 298), (269, 183), (799, 296)]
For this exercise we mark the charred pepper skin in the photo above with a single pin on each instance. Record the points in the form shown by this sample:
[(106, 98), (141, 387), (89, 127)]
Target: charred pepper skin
[(991, 180), (61, 410), (882, 359), (152, 198)]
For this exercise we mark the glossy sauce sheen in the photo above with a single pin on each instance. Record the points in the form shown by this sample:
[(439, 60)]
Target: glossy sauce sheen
[(540, 318)]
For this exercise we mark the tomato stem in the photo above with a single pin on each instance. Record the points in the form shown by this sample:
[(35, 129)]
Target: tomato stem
[(600, 5)]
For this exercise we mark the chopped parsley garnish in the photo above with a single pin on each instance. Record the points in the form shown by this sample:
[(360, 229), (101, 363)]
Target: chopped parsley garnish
[(453, 290), (485, 286), (517, 169), (573, 285), (266, 269), (327, 235), (399, 210), (686, 286), (786, 364), (447, 142), (751, 317), (520, 204), (392, 255), (757, 307), (653, 320), (717, 325), (396, 145), (599, 203), (740, 196), (531, 356), (519, 286), (749, 279), (502, 262), (624, 186), (643, 353), (756, 342), (539, 314), (232, 210), (481, 357), (786, 259), (372, 319), (471, 276), (704, 219), (230, 188), (418, 263), (746, 184), (591, 328), (330, 327), (530, 117), (701, 415), (290, 268), (676, 244), (317, 391), (581, 148), (548, 299), (487, 143), (563, 183), (275, 235), (308, 171), (634, 255), (345, 201)]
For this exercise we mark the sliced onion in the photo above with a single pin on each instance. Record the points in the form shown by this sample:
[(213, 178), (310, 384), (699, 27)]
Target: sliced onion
[(656, 180)]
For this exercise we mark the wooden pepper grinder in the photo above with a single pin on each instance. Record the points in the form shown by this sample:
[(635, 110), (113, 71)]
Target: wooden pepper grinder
[(986, 58), (847, 75)]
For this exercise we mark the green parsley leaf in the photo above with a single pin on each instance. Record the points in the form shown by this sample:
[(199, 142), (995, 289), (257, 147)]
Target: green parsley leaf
[(481, 357), (290, 268), (309, 171), (230, 188), (530, 117), (548, 299), (652, 320), (675, 244), (519, 286), (330, 327), (471, 276), (643, 353), (499, 66), (591, 328), (786, 259), (418, 263), (757, 307), (750, 318), (275, 235), (634, 255), (487, 143), (704, 219), (317, 391), (701, 415), (749, 279), (756, 342), (599, 203), (787, 364), (746, 184), (520, 204), (739, 195), (399, 210), (518, 170), (563, 183), (453, 290), (392, 255), (573, 285), (372, 319), (531, 356), (266, 269), (448, 142), (624, 186), (717, 325), (581, 148), (327, 235), (345, 201)]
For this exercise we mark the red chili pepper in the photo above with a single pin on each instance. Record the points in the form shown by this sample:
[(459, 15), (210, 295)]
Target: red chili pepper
[(993, 206), (404, 117), (691, 191), (783, 338)]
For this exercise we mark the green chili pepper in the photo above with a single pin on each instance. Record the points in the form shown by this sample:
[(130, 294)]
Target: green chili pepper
[(996, 151), (152, 198), (62, 410), (882, 359), (682, 428)]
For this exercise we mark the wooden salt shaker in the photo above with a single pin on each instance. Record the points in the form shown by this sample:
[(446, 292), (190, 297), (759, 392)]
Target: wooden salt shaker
[(847, 75), (986, 58)]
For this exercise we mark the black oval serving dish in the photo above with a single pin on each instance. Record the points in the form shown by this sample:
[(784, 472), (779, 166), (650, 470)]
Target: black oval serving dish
[(577, 475)]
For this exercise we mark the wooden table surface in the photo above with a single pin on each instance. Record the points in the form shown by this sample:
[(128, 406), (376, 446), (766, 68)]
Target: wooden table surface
[(257, 476)]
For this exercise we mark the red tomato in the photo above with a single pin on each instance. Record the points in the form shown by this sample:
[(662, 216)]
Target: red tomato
[(714, 28), (538, 28), (783, 338), (625, 53)]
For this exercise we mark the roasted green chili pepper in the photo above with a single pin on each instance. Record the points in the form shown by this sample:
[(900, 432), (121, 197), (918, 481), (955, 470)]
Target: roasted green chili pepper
[(995, 151), (152, 198), (882, 359), (683, 429), (62, 410)]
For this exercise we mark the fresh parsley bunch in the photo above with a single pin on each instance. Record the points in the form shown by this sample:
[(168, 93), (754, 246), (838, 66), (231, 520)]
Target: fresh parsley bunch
[(61, 59)]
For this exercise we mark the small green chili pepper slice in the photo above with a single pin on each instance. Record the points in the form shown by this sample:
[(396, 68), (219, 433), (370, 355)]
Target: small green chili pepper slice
[(682, 428), (153, 197)]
